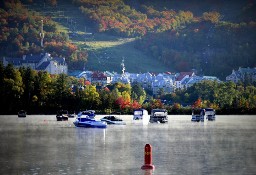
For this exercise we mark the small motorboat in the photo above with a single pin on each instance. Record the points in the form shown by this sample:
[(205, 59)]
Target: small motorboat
[(113, 120), (141, 116), (159, 116), (196, 115), (22, 113), (62, 115), (210, 114), (195, 118), (86, 119)]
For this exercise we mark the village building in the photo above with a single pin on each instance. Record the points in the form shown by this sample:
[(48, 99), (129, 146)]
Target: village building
[(39, 62), (99, 78), (242, 74), (165, 82), (182, 79)]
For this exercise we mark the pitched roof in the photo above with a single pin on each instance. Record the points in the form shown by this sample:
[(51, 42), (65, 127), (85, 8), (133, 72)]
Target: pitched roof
[(59, 60), (43, 66), (14, 61), (183, 74), (25, 59), (33, 58), (98, 75)]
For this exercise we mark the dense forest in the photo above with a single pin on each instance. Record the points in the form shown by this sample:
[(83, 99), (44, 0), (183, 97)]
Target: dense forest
[(42, 93)]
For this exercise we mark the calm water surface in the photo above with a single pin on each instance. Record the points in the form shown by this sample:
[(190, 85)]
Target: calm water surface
[(41, 145)]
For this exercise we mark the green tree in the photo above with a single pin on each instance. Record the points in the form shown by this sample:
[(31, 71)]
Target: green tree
[(12, 88), (138, 93), (28, 78), (43, 89), (225, 94), (62, 91), (90, 97)]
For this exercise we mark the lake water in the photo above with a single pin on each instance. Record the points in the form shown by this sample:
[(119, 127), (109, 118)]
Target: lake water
[(41, 145)]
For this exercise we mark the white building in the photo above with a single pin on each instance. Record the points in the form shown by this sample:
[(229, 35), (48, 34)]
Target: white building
[(182, 79), (242, 74), (39, 62)]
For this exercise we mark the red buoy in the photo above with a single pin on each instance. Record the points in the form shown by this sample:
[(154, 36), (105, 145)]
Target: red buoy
[(148, 158)]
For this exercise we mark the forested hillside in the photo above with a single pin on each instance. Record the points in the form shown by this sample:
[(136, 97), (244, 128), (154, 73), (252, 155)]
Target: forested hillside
[(21, 33), (210, 37)]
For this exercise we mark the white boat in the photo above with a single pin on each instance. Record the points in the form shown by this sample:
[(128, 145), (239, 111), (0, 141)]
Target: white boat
[(141, 116), (210, 114), (86, 119)]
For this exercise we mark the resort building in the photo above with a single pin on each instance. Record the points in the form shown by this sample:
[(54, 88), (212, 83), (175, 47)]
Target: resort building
[(40, 62), (242, 74)]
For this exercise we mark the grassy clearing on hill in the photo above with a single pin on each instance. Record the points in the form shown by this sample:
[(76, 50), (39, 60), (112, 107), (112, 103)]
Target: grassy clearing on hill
[(105, 51)]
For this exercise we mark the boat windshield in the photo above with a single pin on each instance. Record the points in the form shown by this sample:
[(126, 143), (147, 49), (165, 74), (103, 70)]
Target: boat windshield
[(137, 112), (209, 109)]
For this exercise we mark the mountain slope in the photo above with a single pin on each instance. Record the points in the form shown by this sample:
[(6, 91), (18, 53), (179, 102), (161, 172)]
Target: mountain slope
[(212, 37)]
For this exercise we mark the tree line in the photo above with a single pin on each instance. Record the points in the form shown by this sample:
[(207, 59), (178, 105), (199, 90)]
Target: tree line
[(42, 93)]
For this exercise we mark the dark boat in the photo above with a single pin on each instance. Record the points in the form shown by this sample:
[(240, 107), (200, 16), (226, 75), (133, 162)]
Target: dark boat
[(62, 115), (22, 113), (159, 115), (111, 119)]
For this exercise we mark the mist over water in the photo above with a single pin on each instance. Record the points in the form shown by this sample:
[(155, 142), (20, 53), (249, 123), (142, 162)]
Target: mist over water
[(41, 145)]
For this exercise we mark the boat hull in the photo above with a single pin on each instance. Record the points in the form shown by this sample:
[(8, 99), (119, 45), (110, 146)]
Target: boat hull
[(22, 114), (61, 118), (109, 122), (90, 124), (112, 120), (195, 118), (211, 117)]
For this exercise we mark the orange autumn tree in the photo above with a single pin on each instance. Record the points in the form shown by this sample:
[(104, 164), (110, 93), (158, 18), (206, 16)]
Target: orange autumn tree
[(197, 103), (122, 103), (135, 105)]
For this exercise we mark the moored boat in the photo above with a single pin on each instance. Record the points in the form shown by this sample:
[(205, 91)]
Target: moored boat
[(113, 120), (210, 114), (195, 116), (159, 115), (141, 116), (86, 119), (62, 115), (22, 113), (205, 113)]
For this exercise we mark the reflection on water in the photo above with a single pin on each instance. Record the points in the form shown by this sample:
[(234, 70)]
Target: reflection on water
[(41, 145)]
